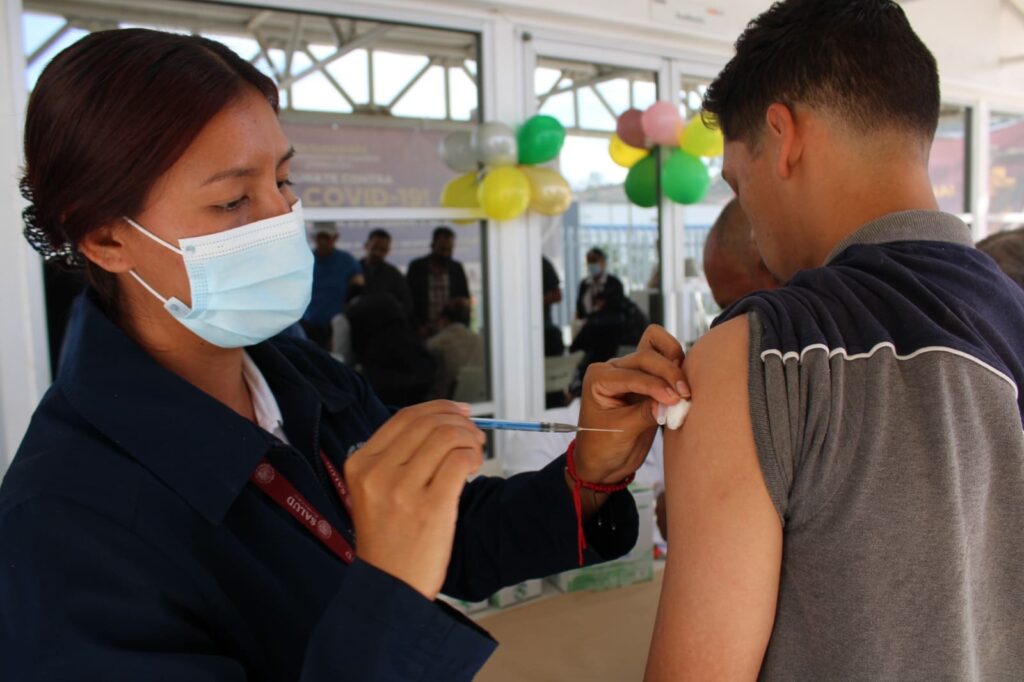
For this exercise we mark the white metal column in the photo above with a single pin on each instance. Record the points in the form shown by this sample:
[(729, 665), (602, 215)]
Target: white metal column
[(980, 163), (513, 248), (24, 357)]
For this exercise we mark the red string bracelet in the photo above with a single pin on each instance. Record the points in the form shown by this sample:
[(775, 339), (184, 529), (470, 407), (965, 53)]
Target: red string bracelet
[(570, 466)]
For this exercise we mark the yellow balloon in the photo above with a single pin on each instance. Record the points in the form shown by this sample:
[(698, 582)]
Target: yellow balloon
[(460, 192), (623, 154), (504, 193), (699, 140), (550, 194)]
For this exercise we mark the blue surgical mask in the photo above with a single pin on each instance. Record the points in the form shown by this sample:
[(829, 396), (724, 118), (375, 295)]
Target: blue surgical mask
[(247, 284), (594, 269)]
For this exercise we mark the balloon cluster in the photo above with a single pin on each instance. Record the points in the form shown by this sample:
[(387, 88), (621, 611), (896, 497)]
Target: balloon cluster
[(509, 182), (684, 177)]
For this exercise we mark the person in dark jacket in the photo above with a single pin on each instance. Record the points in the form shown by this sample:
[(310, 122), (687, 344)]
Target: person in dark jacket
[(599, 283), (383, 277), (436, 280), (197, 498), (388, 352)]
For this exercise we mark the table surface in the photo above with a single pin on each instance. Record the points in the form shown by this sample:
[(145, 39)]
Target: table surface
[(586, 636)]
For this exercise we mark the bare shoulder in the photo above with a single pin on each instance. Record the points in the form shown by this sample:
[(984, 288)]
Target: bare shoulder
[(719, 354)]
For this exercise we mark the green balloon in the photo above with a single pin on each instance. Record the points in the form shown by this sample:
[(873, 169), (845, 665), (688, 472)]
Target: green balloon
[(685, 179), (540, 139), (642, 182)]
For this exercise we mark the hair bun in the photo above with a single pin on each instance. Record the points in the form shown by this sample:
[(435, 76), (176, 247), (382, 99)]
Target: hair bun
[(41, 239)]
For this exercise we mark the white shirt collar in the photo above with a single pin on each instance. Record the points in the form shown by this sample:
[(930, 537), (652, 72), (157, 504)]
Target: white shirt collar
[(268, 414)]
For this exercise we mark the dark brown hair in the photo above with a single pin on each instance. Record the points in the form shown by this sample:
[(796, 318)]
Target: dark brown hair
[(859, 59), (110, 115)]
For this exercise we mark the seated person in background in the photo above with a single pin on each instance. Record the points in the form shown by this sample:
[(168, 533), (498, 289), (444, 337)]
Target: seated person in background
[(844, 497), (435, 280), (453, 347), (1007, 250), (334, 272), (383, 277), (599, 337), (598, 281), (732, 263), (388, 352)]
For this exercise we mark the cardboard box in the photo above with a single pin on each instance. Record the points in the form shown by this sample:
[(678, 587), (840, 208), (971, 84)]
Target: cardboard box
[(513, 594), (636, 566)]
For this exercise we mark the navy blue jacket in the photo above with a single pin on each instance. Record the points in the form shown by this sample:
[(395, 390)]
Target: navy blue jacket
[(133, 548)]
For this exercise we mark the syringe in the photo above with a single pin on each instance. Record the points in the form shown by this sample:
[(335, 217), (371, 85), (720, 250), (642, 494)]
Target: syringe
[(537, 427)]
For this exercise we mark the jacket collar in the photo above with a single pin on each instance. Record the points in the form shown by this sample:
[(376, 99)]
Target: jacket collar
[(196, 445), (904, 226)]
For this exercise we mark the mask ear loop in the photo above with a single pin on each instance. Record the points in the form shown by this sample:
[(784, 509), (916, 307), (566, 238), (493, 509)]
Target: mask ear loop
[(152, 236), (147, 287), (159, 241)]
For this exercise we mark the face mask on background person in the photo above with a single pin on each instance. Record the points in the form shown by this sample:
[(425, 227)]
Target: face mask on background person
[(595, 269), (247, 284)]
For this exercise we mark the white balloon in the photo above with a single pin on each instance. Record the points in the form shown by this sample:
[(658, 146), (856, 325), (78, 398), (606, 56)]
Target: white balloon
[(495, 144), (457, 151)]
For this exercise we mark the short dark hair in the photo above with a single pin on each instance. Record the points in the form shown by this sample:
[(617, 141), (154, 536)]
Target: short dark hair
[(732, 232), (379, 232), (109, 116), (1007, 250), (860, 59), (456, 311), (595, 251), (442, 231)]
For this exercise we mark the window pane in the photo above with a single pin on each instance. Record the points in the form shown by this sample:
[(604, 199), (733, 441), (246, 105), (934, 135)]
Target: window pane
[(352, 70), (300, 63), (371, 155), (36, 29), (425, 99), (392, 72), (600, 217), (315, 93), (40, 28), (561, 107), (402, 361), (544, 79), (615, 93), (645, 93), (698, 218), (1006, 177), (464, 95), (593, 114), (947, 163)]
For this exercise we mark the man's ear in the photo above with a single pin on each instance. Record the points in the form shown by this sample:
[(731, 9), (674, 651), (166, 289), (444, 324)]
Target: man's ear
[(105, 246), (785, 132)]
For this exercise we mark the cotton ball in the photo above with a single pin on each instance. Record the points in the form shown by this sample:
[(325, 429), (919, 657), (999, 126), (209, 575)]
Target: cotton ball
[(676, 414)]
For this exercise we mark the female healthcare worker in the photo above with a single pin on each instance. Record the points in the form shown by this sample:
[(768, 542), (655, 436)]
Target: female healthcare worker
[(193, 501)]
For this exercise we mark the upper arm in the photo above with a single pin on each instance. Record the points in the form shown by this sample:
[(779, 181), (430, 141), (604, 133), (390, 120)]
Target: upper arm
[(720, 587)]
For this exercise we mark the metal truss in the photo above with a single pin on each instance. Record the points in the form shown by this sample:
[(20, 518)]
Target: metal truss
[(292, 37)]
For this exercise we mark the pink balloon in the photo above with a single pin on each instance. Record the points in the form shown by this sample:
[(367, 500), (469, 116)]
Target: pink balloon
[(662, 123), (630, 128)]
